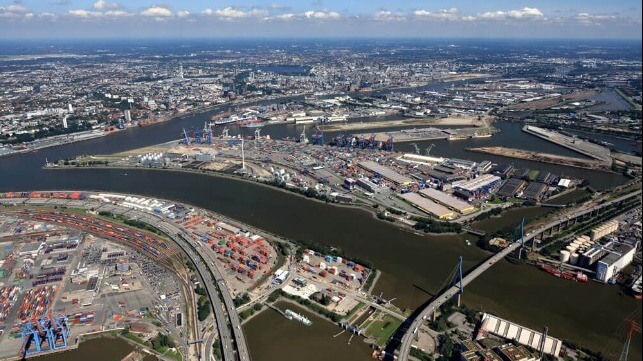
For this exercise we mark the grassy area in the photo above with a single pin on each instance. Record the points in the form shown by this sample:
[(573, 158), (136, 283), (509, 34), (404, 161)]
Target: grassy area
[(169, 352), (133, 337), (383, 328)]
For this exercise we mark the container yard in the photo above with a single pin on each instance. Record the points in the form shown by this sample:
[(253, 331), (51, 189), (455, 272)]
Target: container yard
[(82, 271), (309, 167), (333, 270)]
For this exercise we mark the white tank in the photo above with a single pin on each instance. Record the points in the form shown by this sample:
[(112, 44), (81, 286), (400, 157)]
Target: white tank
[(564, 255), (573, 258), (571, 248)]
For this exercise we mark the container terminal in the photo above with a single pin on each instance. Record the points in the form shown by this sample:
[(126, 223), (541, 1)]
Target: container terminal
[(357, 171)]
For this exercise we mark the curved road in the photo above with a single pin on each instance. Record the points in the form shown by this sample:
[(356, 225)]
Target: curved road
[(229, 327)]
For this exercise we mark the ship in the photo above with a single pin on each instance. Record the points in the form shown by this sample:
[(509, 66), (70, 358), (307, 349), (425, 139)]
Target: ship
[(232, 119), (250, 123), (292, 315), (578, 276)]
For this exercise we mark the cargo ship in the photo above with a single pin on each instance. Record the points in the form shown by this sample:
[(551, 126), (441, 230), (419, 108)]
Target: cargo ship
[(292, 315), (578, 276), (232, 119), (250, 123)]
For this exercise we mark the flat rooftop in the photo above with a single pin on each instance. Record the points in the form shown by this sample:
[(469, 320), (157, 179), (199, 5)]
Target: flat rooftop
[(385, 172)]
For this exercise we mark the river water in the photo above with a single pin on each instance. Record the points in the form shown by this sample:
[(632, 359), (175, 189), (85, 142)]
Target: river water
[(412, 266)]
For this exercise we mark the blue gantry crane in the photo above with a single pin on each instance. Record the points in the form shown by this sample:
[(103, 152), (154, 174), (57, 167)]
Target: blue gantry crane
[(46, 333)]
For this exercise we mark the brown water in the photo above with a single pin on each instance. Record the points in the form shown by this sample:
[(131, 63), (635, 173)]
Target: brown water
[(275, 338), (99, 349), (511, 218)]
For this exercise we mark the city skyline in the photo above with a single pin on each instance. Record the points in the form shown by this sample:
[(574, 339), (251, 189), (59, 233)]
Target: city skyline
[(330, 18)]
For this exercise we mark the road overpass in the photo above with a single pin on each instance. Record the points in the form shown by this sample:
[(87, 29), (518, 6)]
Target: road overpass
[(442, 298), (213, 281)]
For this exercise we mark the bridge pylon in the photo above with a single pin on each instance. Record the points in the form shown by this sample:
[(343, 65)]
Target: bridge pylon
[(457, 279)]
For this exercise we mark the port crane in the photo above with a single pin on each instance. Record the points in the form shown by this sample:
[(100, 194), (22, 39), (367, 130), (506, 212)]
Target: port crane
[(302, 136), (417, 149), (428, 149)]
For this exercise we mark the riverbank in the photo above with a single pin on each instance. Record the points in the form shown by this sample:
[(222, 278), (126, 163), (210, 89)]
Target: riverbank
[(544, 158), (375, 212)]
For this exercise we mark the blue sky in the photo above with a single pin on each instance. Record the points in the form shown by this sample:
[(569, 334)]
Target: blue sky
[(320, 18)]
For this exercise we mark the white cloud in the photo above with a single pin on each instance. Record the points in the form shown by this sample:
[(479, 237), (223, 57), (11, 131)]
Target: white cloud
[(284, 17), (87, 14), (589, 19), (81, 13), (104, 5), (15, 11), (157, 12), (384, 15), (183, 13), (322, 15), (231, 13), (448, 14), (520, 14)]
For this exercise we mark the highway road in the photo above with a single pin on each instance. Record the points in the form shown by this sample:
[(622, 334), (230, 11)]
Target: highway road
[(441, 299), (230, 336)]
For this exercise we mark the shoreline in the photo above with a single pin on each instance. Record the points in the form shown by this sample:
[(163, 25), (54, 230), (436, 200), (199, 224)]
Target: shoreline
[(371, 210)]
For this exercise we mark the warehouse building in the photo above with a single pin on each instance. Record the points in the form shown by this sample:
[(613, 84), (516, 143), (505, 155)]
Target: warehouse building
[(368, 185), (428, 206), (524, 336), (511, 187), (534, 191), (502, 170), (385, 172), (483, 183), (448, 200)]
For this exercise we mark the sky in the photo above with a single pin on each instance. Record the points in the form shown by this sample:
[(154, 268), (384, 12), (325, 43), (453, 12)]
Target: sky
[(58, 19)]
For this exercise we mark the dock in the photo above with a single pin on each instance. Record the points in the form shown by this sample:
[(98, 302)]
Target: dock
[(420, 134), (544, 157), (583, 147)]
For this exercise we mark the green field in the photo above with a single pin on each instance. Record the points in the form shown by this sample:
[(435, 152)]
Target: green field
[(382, 328)]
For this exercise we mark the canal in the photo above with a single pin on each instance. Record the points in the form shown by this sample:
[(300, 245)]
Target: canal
[(412, 266)]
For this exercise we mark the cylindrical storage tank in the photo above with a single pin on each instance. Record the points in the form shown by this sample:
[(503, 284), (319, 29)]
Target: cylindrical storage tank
[(573, 258), (564, 256), (571, 248)]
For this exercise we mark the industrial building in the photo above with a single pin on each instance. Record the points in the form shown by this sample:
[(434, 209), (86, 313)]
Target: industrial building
[(367, 185), (428, 206), (603, 230), (483, 183), (385, 172), (534, 191), (592, 255), (448, 200), (609, 266), (511, 187), (502, 170), (524, 336)]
